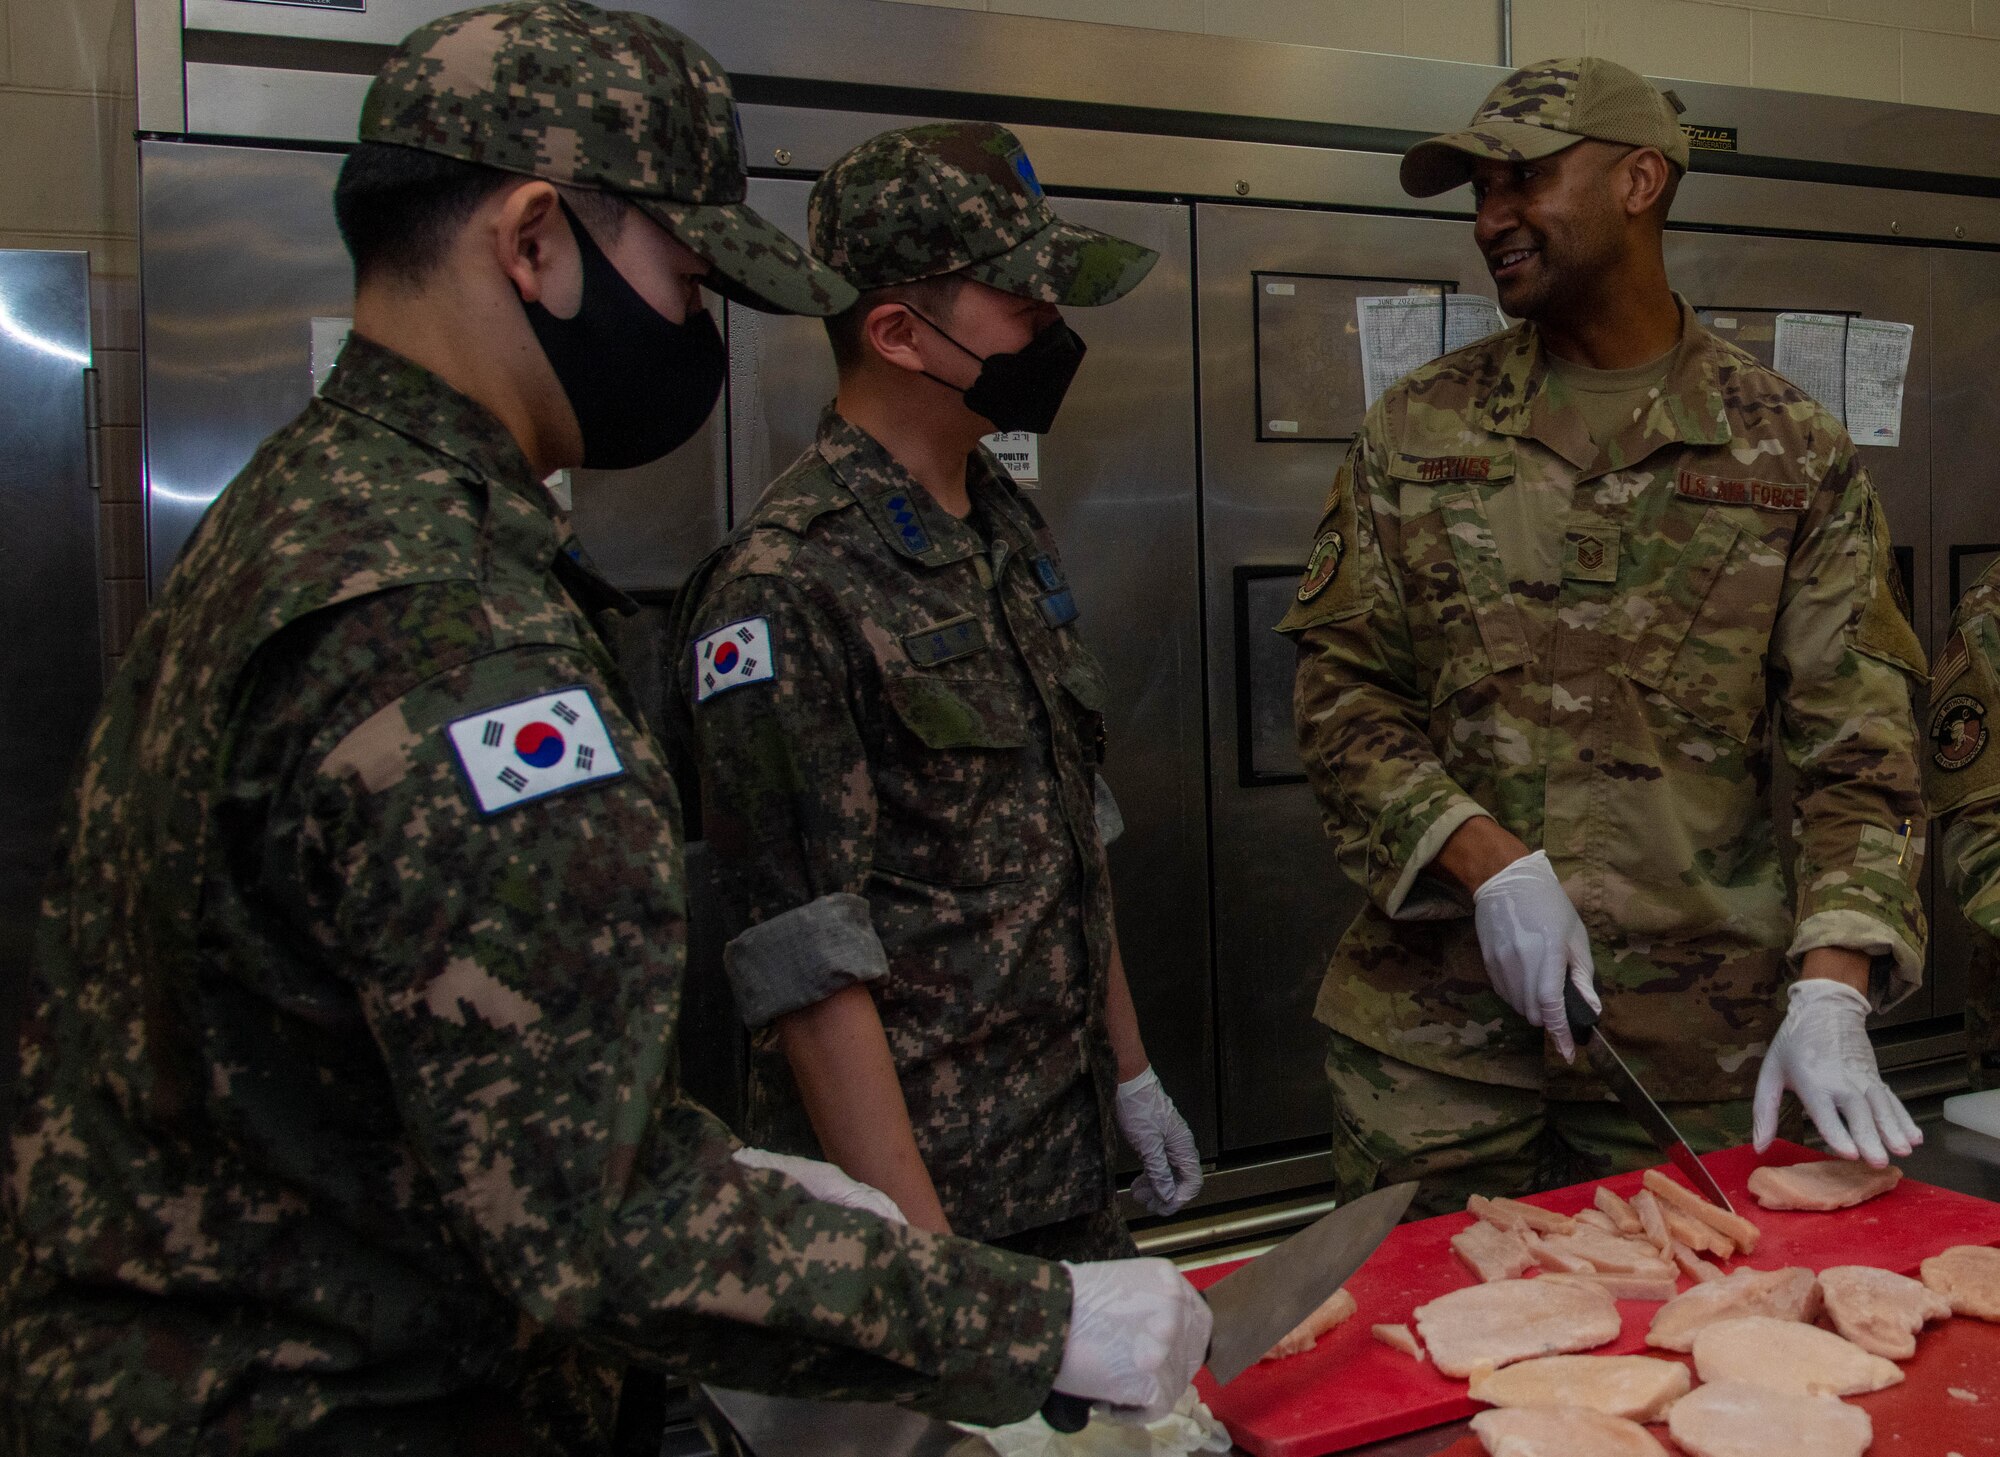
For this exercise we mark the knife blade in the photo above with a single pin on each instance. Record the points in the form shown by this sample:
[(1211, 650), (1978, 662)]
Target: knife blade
[(1256, 1306), (1633, 1097)]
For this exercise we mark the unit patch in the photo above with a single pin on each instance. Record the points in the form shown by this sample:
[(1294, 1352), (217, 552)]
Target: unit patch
[(1322, 565), (733, 656), (955, 637), (533, 748), (1728, 491), (1958, 732)]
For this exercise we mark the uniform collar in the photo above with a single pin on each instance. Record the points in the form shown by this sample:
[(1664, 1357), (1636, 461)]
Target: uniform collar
[(909, 520), (1689, 409), (522, 519)]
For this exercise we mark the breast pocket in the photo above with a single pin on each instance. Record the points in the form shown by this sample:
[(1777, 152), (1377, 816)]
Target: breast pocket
[(1464, 620), (953, 787), (1708, 638)]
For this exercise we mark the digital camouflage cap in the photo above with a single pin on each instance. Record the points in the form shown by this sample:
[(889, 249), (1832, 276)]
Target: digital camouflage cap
[(961, 197), (604, 99), (1543, 108)]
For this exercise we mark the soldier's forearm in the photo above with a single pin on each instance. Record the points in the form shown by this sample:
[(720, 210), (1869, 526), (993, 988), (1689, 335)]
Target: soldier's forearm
[(846, 1076), (1837, 963), (1121, 1020), (1477, 850)]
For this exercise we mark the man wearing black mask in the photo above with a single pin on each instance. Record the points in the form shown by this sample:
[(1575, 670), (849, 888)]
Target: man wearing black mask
[(899, 730), (349, 1121)]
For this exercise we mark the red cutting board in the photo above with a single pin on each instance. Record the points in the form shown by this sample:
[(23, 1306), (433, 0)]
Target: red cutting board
[(1352, 1389)]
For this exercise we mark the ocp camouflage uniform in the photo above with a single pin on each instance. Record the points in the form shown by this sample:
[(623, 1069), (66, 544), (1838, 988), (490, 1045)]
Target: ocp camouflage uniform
[(1601, 650), (348, 1110), (1963, 781), (910, 800)]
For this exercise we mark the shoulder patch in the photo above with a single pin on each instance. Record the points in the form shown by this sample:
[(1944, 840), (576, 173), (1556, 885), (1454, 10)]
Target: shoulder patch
[(534, 747), (1322, 565), (733, 656)]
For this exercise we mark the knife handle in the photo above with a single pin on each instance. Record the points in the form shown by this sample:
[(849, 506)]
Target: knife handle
[(1066, 1413), (1582, 1016)]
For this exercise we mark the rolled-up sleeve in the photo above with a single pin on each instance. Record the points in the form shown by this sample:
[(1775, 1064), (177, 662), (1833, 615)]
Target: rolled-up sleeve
[(788, 802)]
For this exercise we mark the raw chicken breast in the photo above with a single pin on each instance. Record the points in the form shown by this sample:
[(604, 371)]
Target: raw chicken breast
[(1561, 1431), (1637, 1388), (1879, 1310), (1736, 1419), (1789, 1355), (1490, 1252), (1969, 1277), (1397, 1338), (1829, 1184), (1336, 1308), (1790, 1294), (1513, 1320)]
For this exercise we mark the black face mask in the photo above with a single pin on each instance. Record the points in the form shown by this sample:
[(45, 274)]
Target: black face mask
[(1025, 389), (640, 383)]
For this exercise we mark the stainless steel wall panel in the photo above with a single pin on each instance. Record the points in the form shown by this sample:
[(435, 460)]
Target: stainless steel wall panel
[(241, 254), (1118, 488), (1965, 509), (50, 678), (1281, 902), (1876, 281)]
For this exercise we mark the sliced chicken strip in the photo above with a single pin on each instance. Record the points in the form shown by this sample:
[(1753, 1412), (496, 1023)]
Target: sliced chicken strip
[(1879, 1310), (1789, 1355), (1736, 1419), (1622, 1214), (1732, 1227), (1490, 1252), (1336, 1308), (1398, 1338)]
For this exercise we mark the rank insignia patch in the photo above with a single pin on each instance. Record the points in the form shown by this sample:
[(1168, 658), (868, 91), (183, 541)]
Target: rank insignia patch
[(1958, 732), (1322, 565), (534, 748), (733, 656)]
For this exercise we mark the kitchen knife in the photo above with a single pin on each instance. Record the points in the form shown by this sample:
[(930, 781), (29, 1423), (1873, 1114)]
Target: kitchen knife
[(1259, 1304), (1634, 1098)]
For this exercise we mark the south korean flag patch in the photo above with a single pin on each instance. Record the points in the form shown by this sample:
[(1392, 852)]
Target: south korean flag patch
[(733, 656), (534, 748)]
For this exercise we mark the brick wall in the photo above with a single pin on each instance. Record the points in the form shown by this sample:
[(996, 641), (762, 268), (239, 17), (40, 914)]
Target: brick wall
[(1926, 52), (68, 179)]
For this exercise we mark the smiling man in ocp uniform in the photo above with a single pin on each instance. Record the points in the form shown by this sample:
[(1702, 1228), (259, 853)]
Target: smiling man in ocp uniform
[(1575, 588)]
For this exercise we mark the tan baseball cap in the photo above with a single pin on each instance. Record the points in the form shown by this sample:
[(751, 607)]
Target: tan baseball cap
[(1543, 108)]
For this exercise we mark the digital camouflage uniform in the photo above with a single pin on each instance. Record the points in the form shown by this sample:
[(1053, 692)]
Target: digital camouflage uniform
[(1602, 650), (348, 1119), (905, 792), (1963, 780)]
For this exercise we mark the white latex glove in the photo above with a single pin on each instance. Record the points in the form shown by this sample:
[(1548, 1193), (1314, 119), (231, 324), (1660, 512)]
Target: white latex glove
[(1531, 938), (1165, 1145), (823, 1181), (1137, 1334), (1823, 1054)]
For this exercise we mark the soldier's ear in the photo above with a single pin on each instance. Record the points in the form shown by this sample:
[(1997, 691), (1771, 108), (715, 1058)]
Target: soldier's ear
[(891, 330), (1646, 173), (534, 247)]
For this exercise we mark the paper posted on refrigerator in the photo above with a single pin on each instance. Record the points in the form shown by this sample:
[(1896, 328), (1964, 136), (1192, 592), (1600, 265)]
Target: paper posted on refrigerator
[(1402, 332), (1856, 368)]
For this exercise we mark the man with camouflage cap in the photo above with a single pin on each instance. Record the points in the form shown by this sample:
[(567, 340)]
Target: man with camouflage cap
[(1962, 780), (348, 1119), (899, 731), (1573, 588)]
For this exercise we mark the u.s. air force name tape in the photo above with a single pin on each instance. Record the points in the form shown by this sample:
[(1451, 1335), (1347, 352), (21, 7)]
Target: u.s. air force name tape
[(533, 748), (732, 656)]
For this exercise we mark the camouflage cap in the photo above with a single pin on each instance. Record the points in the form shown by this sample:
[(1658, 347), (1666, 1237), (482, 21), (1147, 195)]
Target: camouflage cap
[(1543, 108), (958, 197), (606, 99)]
